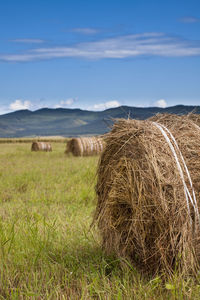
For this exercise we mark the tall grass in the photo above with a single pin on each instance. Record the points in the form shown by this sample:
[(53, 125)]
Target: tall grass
[(48, 249)]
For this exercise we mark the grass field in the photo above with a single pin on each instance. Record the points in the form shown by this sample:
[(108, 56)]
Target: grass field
[(54, 139), (47, 248)]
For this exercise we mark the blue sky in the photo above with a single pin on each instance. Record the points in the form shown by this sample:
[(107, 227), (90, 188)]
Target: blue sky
[(99, 54)]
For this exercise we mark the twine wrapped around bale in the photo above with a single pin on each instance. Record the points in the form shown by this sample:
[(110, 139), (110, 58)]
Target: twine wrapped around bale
[(148, 192), (86, 146), (41, 146)]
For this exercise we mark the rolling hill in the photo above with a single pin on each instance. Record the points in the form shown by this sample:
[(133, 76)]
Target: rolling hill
[(75, 122)]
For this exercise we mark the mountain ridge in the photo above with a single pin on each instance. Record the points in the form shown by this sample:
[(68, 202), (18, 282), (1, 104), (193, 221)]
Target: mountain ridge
[(75, 122)]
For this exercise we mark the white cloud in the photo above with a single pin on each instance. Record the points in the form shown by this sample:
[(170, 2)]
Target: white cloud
[(28, 41), (161, 103), (105, 105), (19, 104), (85, 30), (135, 45), (65, 103), (189, 20), (4, 110)]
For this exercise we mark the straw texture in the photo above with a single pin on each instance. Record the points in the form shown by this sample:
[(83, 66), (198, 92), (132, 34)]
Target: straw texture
[(142, 212), (86, 146)]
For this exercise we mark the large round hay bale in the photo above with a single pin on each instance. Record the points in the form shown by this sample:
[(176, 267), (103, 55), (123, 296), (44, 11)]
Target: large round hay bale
[(41, 146), (86, 146), (148, 189)]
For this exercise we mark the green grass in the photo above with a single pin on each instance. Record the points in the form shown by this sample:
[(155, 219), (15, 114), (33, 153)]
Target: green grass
[(54, 139), (47, 248)]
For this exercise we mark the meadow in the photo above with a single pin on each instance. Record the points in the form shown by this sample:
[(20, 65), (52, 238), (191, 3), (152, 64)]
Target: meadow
[(48, 249)]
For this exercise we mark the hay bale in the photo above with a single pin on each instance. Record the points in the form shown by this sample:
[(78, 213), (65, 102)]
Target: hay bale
[(86, 146), (41, 146), (142, 211)]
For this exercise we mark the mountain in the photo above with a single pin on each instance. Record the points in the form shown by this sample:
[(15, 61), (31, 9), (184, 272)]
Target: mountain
[(75, 122)]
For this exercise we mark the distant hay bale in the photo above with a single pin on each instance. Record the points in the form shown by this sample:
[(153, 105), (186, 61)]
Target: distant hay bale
[(41, 146), (148, 189), (86, 146)]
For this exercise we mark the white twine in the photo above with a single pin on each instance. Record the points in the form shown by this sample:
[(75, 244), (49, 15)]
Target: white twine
[(188, 196), (186, 169)]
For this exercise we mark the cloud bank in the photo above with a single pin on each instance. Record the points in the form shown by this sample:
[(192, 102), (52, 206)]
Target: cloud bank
[(105, 105), (86, 30), (189, 20), (19, 104), (28, 41), (65, 103), (128, 46), (161, 103)]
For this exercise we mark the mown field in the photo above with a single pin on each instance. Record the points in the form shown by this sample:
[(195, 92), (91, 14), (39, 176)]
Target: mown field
[(48, 249)]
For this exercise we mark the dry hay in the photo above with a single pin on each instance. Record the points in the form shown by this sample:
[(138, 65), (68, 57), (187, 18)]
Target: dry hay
[(41, 146), (195, 118), (172, 117), (142, 211), (86, 146)]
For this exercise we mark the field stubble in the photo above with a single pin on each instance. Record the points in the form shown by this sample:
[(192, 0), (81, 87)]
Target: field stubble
[(48, 249)]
